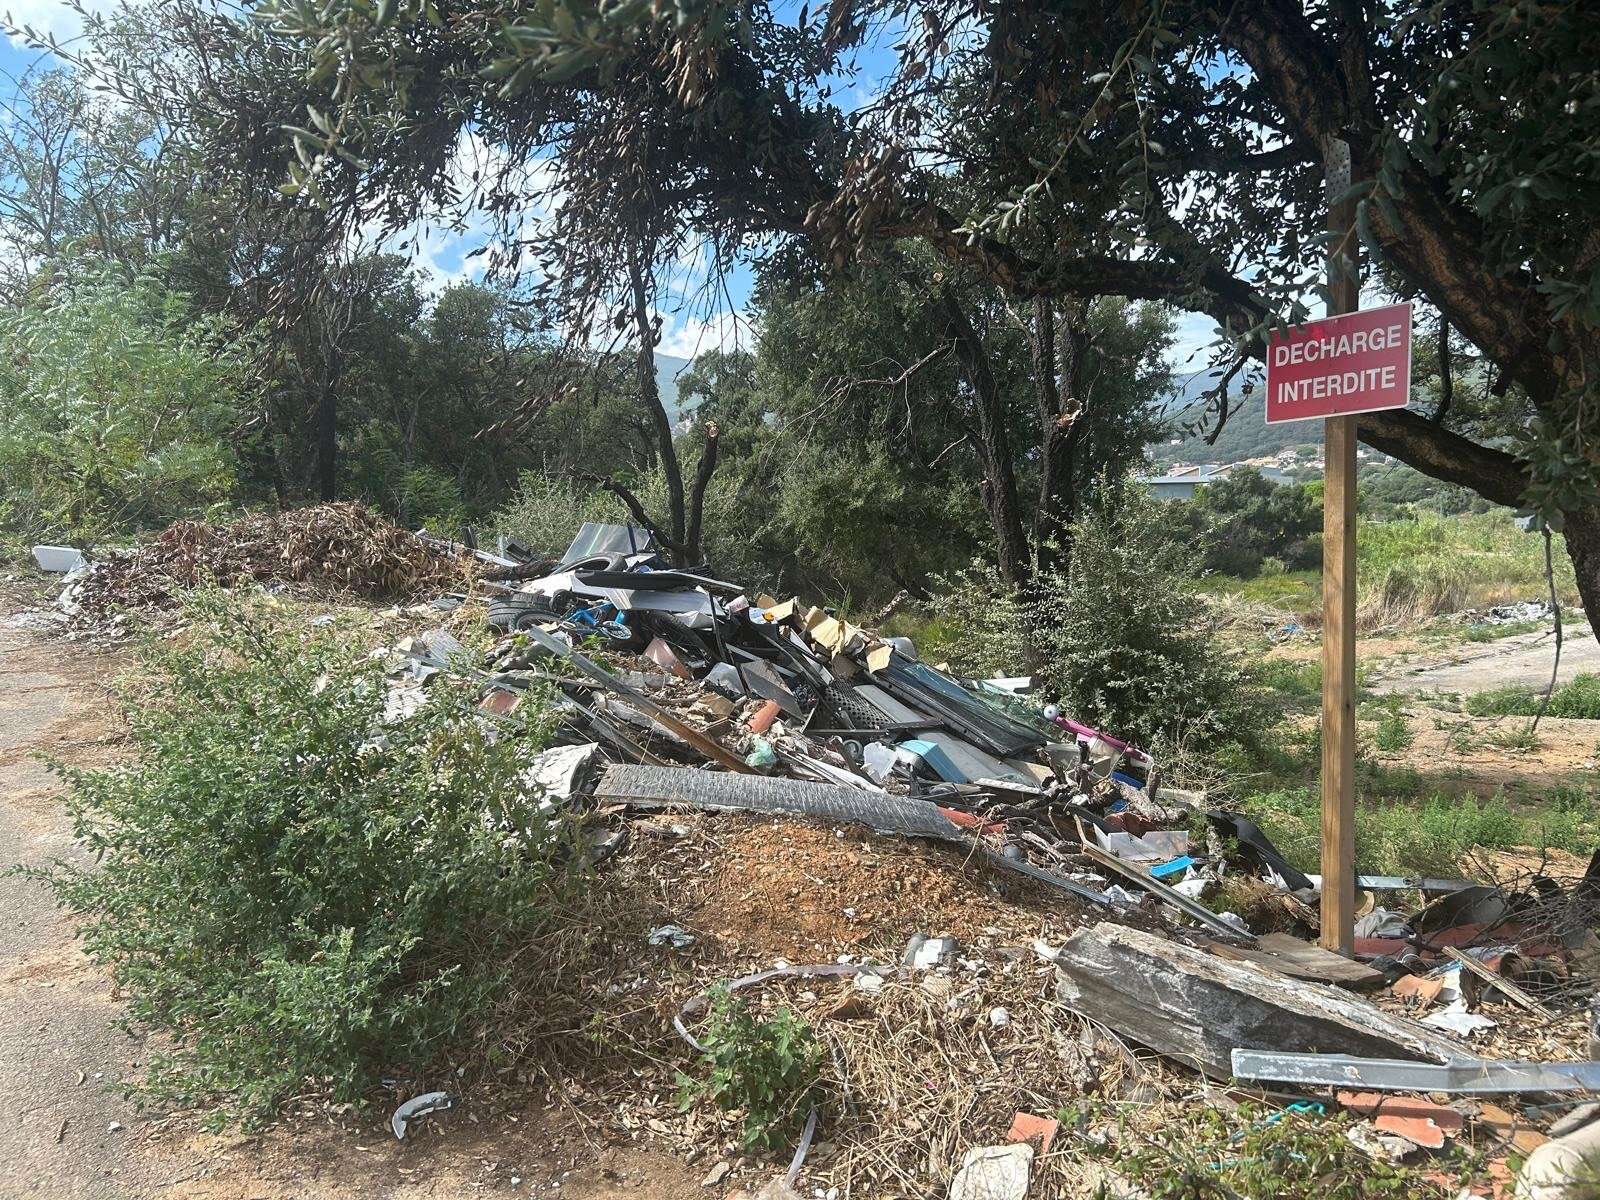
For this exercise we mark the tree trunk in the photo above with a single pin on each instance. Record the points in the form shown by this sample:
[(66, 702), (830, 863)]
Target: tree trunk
[(1581, 529), (650, 397), (1063, 402), (999, 486), (693, 553), (328, 428)]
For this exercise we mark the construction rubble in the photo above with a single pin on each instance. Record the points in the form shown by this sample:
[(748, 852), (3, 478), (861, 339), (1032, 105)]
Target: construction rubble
[(682, 693)]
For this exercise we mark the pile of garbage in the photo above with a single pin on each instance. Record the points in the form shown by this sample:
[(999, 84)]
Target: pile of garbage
[(343, 547), (1506, 614), (680, 691), (1191, 934)]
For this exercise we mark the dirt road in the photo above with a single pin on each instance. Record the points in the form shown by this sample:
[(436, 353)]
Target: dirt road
[(1522, 660), (68, 1136)]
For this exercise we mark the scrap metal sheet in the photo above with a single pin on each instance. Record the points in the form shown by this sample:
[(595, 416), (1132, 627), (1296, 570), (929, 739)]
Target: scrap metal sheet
[(1480, 1077)]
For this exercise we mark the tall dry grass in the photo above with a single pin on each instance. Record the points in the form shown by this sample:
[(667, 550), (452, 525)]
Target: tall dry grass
[(1418, 567)]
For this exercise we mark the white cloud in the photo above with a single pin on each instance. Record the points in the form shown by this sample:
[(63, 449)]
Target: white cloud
[(688, 336), (1192, 341), (53, 17)]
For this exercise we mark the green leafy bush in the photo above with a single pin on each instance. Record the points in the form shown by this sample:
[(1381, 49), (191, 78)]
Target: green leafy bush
[(1430, 836), (116, 407), (765, 1067), (300, 903), (1246, 519), (1257, 1153), (1393, 733), (977, 625), (1125, 643)]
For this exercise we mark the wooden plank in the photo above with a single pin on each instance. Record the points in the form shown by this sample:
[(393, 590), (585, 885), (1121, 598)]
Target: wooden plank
[(1510, 990), (1339, 593), (1338, 687), (1197, 1008), (1301, 960)]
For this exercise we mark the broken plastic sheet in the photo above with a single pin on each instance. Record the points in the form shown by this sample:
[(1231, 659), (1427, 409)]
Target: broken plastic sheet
[(418, 1106), (598, 537), (968, 714)]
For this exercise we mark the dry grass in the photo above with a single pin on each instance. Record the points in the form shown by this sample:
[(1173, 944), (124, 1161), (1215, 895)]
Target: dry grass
[(923, 1077)]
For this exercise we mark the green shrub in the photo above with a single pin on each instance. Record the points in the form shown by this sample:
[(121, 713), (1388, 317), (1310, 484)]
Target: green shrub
[(1393, 734), (1246, 520), (546, 512), (1257, 1153), (297, 903), (976, 624), (1416, 567), (1297, 684), (1427, 837), (1124, 641), (765, 1067), (117, 407)]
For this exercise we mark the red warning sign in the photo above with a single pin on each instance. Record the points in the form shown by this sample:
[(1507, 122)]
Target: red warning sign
[(1355, 363)]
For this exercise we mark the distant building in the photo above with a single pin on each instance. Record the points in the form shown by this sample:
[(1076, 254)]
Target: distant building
[(1181, 482)]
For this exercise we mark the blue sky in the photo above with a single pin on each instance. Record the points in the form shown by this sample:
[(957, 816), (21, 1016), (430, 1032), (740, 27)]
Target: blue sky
[(694, 319)]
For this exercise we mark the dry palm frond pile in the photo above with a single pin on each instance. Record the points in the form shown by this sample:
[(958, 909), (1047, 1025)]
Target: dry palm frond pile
[(342, 547)]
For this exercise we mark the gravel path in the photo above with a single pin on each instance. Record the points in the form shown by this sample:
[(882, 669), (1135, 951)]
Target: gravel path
[(1522, 660)]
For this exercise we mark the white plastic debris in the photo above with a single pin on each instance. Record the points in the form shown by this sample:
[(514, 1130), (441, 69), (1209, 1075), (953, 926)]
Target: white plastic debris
[(561, 770), (59, 560), (934, 952), (999, 1018), (994, 1173), (1562, 1169), (418, 1106), (1234, 919), (869, 981), (675, 936), (1457, 1020), (402, 703)]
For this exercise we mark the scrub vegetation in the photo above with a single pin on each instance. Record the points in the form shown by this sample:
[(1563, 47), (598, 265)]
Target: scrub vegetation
[(302, 896)]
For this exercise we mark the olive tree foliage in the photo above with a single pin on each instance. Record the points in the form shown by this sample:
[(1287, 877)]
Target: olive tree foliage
[(916, 391), (1163, 149), (82, 175), (119, 408)]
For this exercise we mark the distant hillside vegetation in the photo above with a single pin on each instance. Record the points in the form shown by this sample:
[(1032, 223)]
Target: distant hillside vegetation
[(1246, 435)]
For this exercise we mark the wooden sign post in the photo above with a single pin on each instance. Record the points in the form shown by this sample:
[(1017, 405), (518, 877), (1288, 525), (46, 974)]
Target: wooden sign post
[(1329, 370)]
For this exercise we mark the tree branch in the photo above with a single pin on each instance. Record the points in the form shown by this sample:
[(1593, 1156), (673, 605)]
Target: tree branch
[(1447, 382), (635, 508), (697, 495)]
